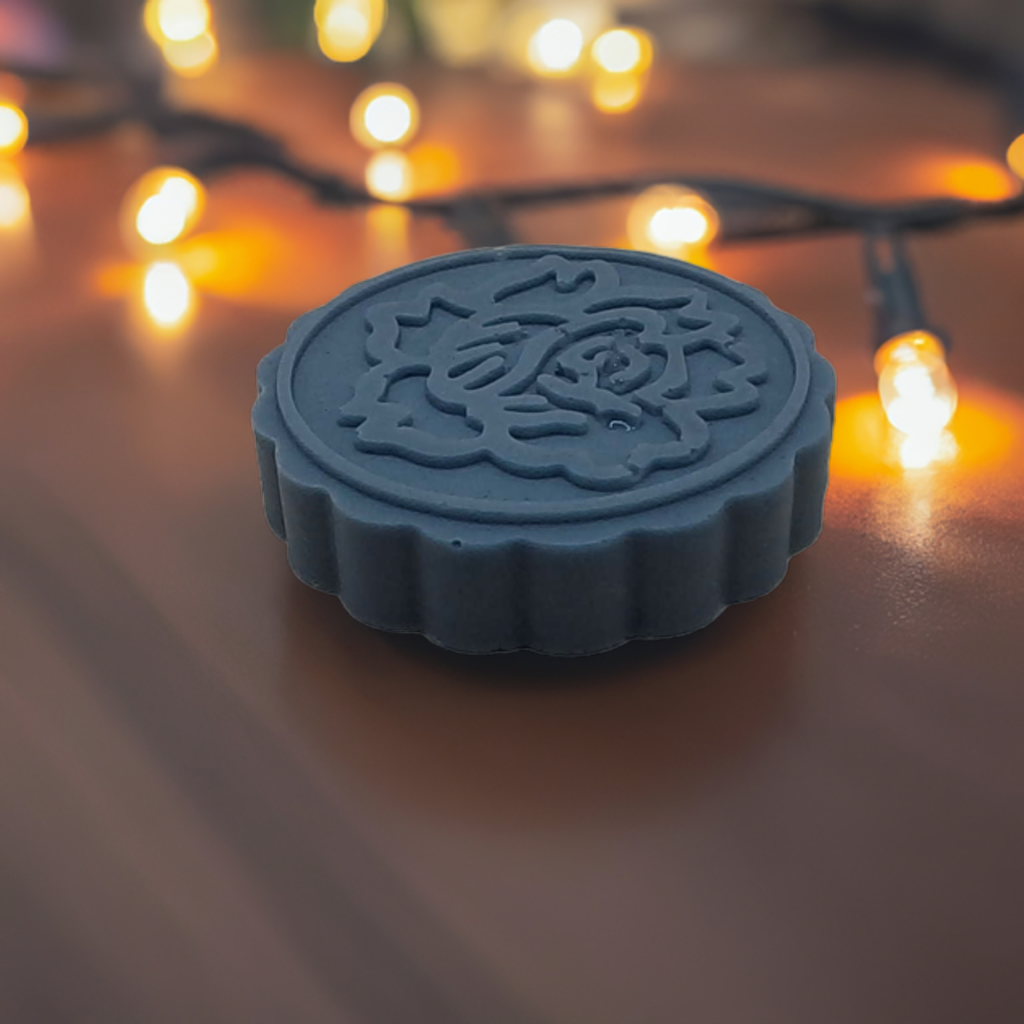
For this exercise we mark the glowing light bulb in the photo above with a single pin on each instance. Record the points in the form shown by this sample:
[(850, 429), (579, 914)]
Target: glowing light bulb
[(347, 29), (621, 50), (167, 294), (15, 205), (918, 451), (13, 129), (193, 57), (183, 29), (616, 93), (671, 220), (915, 385), (1015, 156), (555, 48), (980, 180), (176, 21), (181, 20), (389, 175), (384, 115), (163, 205)]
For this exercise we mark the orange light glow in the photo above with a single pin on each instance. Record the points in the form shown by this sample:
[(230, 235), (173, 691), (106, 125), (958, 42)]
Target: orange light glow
[(13, 129), (914, 384), (183, 29), (347, 29), (15, 205), (389, 175), (386, 114), (616, 93), (388, 236), (919, 451), (194, 57), (981, 180), (435, 166), (866, 447), (622, 50), (162, 206), (671, 220), (1015, 156)]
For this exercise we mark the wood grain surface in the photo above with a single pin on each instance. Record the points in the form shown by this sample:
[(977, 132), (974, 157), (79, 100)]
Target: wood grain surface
[(224, 801)]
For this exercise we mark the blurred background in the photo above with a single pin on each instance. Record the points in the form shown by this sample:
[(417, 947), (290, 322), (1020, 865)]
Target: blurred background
[(223, 800)]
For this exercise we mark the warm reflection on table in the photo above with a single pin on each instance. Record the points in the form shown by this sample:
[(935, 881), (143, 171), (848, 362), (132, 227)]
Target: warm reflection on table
[(225, 801)]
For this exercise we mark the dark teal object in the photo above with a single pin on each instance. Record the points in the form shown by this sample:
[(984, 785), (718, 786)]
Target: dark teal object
[(558, 449)]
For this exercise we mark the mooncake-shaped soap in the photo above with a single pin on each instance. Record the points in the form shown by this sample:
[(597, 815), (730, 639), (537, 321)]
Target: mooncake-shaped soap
[(551, 448)]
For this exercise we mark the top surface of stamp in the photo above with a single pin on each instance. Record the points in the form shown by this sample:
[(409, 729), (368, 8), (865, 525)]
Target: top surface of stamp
[(536, 384)]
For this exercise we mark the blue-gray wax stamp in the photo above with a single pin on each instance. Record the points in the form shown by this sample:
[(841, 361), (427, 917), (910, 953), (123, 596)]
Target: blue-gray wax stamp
[(559, 449)]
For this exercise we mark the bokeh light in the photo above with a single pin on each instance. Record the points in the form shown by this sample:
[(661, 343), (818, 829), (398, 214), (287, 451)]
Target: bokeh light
[(15, 205), (556, 47), (193, 57), (13, 129), (183, 29), (621, 50), (389, 175), (616, 93), (980, 180), (671, 220), (1015, 156), (914, 383), (347, 29), (163, 206), (435, 167), (387, 236), (167, 294), (386, 114), (177, 21)]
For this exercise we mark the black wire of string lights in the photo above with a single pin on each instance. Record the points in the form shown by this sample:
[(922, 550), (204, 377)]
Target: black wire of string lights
[(747, 210)]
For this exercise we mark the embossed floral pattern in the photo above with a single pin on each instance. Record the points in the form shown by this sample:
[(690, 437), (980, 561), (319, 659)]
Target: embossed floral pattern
[(559, 356)]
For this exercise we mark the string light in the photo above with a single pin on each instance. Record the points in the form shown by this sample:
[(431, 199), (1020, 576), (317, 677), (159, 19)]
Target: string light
[(194, 57), (914, 383), (918, 451), (167, 294), (13, 129), (916, 388), (347, 29), (556, 47), (621, 50), (917, 391), (15, 205), (183, 29), (982, 180), (1015, 156), (162, 206), (389, 175), (177, 21), (671, 220), (386, 114), (616, 93)]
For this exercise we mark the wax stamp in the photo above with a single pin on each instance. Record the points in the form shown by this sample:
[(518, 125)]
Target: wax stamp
[(551, 448)]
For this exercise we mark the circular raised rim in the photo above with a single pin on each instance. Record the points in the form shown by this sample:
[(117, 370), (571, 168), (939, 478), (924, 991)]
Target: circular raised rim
[(596, 507)]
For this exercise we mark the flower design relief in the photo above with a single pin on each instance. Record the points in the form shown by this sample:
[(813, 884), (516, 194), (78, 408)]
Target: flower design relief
[(562, 354)]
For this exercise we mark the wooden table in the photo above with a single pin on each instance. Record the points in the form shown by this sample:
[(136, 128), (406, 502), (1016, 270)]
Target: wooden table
[(224, 801)]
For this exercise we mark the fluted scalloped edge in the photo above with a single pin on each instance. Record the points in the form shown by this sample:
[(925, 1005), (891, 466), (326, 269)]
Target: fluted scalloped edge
[(567, 590)]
